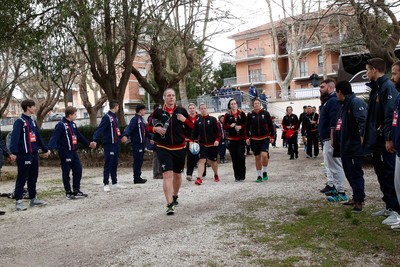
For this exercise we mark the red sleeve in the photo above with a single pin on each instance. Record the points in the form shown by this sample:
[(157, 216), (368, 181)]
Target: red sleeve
[(226, 126), (150, 127)]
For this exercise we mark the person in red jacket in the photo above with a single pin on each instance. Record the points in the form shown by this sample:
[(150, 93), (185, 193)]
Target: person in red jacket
[(206, 131), (169, 124), (260, 129), (290, 124), (235, 124)]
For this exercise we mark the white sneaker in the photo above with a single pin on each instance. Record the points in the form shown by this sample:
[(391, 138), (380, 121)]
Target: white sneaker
[(393, 219), (118, 186), (382, 212), (396, 227), (107, 188)]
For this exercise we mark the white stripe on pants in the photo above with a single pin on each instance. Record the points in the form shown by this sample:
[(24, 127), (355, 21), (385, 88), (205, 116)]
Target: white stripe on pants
[(397, 177), (335, 173)]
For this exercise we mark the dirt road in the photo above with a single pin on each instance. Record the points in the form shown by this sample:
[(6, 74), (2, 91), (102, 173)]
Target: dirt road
[(128, 227)]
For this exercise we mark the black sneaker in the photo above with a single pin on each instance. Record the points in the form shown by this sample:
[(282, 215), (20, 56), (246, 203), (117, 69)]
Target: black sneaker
[(2, 212), (327, 188), (78, 193), (170, 209), (357, 208), (140, 181), (175, 200), (259, 179), (69, 195)]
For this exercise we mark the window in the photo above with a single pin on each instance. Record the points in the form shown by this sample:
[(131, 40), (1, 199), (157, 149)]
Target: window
[(320, 61), (141, 91), (303, 67), (255, 74)]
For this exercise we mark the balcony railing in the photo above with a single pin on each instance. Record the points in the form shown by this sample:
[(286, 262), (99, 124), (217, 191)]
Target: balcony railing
[(254, 78), (250, 53)]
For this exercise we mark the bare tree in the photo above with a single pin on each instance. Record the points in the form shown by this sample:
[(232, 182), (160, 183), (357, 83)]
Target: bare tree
[(291, 33), (378, 24), (10, 75)]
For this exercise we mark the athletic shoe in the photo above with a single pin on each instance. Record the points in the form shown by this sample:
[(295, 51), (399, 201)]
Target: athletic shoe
[(259, 179), (189, 178), (119, 186), (198, 181), (139, 181), (20, 205), (382, 212), (338, 197), (327, 188), (2, 212), (331, 193), (78, 193), (36, 202), (308, 156), (265, 176), (396, 227), (107, 188), (357, 208), (170, 209), (315, 157), (296, 156), (69, 195), (175, 200), (349, 203), (216, 178), (393, 219)]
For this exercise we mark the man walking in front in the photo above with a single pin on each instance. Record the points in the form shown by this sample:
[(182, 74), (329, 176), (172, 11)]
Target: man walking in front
[(169, 124), (378, 139)]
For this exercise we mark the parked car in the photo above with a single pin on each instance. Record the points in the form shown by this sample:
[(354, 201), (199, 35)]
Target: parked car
[(55, 117)]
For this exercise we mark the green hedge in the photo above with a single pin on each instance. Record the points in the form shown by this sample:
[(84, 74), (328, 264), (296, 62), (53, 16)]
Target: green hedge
[(86, 131)]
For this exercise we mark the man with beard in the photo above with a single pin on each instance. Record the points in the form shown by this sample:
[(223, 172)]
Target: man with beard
[(378, 138), (326, 128)]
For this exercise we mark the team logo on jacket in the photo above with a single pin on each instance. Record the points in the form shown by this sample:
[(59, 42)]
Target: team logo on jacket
[(208, 122), (262, 116)]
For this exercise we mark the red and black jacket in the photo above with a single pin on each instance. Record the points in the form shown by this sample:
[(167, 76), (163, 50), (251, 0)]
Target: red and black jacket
[(188, 132), (259, 125), (174, 138), (206, 130), (240, 119)]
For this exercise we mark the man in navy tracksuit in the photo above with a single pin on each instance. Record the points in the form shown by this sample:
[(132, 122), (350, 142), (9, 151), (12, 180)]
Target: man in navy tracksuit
[(378, 138), (108, 129), (136, 130), (25, 144), (65, 139)]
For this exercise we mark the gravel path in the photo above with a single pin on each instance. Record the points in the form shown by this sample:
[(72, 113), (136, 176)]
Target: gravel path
[(128, 227)]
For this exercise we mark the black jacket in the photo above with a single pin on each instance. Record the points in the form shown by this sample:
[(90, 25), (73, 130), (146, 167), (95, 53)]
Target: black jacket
[(206, 130), (352, 114), (382, 101), (259, 125), (175, 135), (240, 121)]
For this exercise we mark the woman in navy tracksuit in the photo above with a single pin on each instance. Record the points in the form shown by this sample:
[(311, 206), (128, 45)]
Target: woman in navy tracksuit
[(65, 139), (25, 144)]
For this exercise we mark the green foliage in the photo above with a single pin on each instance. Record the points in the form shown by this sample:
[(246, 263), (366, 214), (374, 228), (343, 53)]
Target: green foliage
[(225, 70)]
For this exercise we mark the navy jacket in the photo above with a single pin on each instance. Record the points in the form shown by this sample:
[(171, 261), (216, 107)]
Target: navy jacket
[(136, 130), (396, 129), (352, 115), (327, 117), (66, 136), (108, 129), (25, 137), (381, 105)]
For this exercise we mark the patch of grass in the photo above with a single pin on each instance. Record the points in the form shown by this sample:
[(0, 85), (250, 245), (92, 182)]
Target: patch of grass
[(245, 253), (319, 229), (8, 175), (287, 262), (50, 193), (302, 212)]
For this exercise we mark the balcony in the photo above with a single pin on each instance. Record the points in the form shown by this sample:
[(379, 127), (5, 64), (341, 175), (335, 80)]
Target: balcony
[(246, 55), (331, 70), (246, 80)]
